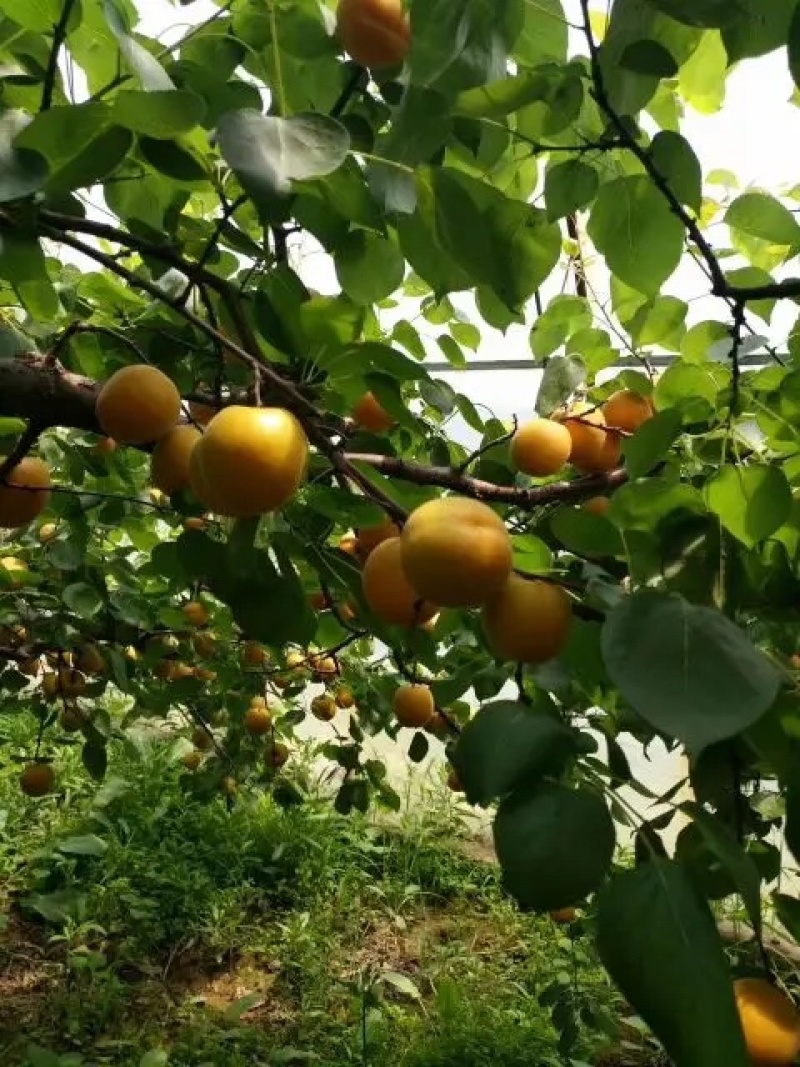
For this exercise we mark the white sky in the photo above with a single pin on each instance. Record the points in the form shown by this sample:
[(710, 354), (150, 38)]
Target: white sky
[(756, 135)]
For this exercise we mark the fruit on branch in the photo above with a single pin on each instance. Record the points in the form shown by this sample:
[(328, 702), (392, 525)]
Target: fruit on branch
[(47, 532), (370, 537), (376, 33), (278, 754), (71, 719), (249, 461), (257, 719), (296, 661), (387, 590), (541, 447), (456, 552), (324, 666), (205, 643), (344, 697), (254, 654), (169, 465), (348, 544), (563, 915), (25, 493), (9, 566), (607, 458), (323, 707), (528, 621), (626, 410), (105, 446), (597, 505), (369, 414), (586, 426), (192, 759), (414, 705), (202, 739), (770, 1022), (37, 780), (90, 660), (195, 522), (138, 404), (65, 682), (195, 613)]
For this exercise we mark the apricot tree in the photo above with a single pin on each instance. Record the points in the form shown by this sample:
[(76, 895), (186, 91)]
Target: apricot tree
[(220, 484)]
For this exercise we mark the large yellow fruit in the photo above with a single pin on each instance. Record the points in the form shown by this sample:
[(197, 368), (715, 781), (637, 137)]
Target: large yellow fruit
[(586, 426), (11, 565), (607, 458), (770, 1021), (257, 720), (541, 447), (90, 660), (169, 466), (26, 492), (196, 613), (370, 537), (369, 414), (376, 33), (387, 590), (250, 461), (47, 532), (414, 705), (626, 410), (323, 707), (456, 552), (37, 780), (528, 621), (138, 404)]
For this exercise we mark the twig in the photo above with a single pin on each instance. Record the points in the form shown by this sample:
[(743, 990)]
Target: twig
[(24, 444), (228, 211), (475, 456), (59, 36), (578, 265), (736, 332), (359, 78)]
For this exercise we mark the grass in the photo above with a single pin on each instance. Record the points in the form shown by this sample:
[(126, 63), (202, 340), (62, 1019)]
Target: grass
[(146, 927)]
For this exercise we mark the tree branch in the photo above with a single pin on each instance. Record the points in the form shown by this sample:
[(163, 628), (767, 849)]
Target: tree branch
[(465, 485), (59, 36)]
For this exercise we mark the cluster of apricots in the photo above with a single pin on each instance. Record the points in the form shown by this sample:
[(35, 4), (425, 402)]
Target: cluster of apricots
[(589, 437)]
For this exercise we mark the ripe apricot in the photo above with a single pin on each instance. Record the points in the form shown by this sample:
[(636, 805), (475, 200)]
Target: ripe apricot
[(414, 705), (626, 410), (318, 601), (192, 759), (202, 739), (201, 413), (11, 565), (26, 492), (37, 780), (195, 522), (323, 707), (278, 754), (770, 1022), (344, 697), (138, 404), (586, 426), (528, 621), (324, 666), (348, 544), (456, 552), (296, 660), (105, 446), (249, 461), (369, 414), (541, 447), (47, 532), (169, 465), (90, 660), (376, 33), (607, 458), (65, 682), (437, 725), (203, 674), (563, 915), (370, 537), (387, 590), (71, 719), (205, 643), (257, 720), (597, 505), (195, 613), (254, 654)]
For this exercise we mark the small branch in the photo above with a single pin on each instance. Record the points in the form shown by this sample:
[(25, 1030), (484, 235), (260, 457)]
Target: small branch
[(736, 332), (578, 265), (358, 80), (59, 36), (26, 441), (463, 467), (465, 485), (228, 211)]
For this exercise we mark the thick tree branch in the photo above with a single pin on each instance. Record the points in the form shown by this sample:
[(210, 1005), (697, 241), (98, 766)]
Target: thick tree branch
[(465, 485)]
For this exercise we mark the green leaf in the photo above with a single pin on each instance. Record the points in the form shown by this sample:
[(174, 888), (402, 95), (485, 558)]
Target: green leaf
[(761, 215), (439, 31), (94, 163), (659, 942), (788, 911), (793, 46), (677, 163), (562, 376), (649, 58), (507, 745), (701, 79), (752, 501), (554, 845), (730, 853), (272, 608), (369, 268), (146, 67), (544, 34), (161, 114), (22, 263), (564, 316), (660, 321), (687, 670), (503, 97), (632, 226), (699, 339), (580, 531), (94, 757), (706, 13), (651, 443), (762, 26), (268, 153), (40, 16), (22, 171), (85, 845), (568, 187), (83, 599), (792, 826)]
